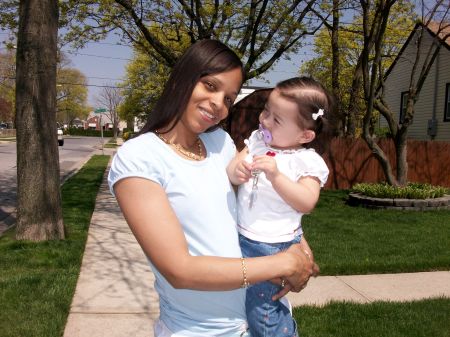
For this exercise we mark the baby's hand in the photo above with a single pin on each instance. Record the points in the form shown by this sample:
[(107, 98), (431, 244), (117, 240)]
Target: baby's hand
[(243, 172), (267, 164)]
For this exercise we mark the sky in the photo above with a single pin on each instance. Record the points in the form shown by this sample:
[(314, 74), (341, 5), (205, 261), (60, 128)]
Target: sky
[(104, 63)]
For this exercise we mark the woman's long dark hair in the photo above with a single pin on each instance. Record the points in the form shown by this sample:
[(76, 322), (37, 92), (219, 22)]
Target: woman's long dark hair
[(205, 57)]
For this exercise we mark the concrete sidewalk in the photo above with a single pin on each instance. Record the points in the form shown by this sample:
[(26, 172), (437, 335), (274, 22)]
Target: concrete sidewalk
[(115, 295)]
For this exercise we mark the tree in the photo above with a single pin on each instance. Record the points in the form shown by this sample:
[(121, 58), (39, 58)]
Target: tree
[(7, 86), (39, 214), (142, 87), (436, 15), (340, 70), (260, 31), (71, 95), (110, 98)]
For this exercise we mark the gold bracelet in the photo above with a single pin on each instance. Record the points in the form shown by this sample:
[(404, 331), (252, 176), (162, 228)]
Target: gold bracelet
[(245, 282)]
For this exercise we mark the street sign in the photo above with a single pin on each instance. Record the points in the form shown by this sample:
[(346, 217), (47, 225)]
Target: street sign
[(100, 110)]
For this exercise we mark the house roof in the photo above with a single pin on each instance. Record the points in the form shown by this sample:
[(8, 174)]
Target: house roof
[(440, 30)]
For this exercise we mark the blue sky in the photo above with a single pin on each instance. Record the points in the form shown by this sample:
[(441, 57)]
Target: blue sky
[(104, 63)]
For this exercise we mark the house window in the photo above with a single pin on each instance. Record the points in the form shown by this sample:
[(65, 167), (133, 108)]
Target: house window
[(403, 103), (447, 103)]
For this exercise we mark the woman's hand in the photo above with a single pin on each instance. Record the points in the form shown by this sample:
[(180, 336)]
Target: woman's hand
[(306, 267)]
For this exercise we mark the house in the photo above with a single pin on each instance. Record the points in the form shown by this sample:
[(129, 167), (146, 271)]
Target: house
[(432, 108), (92, 123)]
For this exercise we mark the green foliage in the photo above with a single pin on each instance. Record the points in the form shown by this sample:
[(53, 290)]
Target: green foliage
[(142, 87), (88, 132), (71, 95), (383, 132), (401, 22), (7, 86), (38, 280), (380, 319), (127, 135), (410, 191), (9, 10), (260, 32)]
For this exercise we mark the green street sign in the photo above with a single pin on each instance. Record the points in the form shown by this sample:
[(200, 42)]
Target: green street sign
[(100, 110)]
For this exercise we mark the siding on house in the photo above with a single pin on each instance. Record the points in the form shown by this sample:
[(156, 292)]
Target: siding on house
[(398, 81)]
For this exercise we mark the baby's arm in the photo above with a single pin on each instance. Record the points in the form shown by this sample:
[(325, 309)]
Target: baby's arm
[(302, 195), (238, 170)]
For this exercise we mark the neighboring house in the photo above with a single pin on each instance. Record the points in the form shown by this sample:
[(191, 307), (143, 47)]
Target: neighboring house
[(432, 108), (92, 123)]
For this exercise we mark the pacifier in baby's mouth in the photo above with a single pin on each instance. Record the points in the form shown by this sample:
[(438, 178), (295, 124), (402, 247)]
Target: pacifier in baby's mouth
[(264, 134)]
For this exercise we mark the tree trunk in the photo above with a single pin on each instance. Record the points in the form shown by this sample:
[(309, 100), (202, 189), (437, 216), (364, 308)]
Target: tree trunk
[(335, 64), (401, 151), (354, 95), (39, 214)]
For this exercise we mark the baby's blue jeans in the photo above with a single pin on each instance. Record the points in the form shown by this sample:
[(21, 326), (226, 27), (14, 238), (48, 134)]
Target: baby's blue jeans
[(267, 318)]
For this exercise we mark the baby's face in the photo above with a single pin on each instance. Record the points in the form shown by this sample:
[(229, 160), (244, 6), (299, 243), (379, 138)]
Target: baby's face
[(280, 117)]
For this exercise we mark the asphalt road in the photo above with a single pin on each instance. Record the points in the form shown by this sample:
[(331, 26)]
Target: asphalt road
[(75, 152)]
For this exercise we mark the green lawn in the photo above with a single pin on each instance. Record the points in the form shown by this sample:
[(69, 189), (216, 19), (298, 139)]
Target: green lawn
[(37, 280), (356, 240), (427, 318)]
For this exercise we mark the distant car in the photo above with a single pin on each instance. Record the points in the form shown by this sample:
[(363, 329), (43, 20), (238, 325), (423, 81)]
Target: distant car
[(60, 137), (3, 126)]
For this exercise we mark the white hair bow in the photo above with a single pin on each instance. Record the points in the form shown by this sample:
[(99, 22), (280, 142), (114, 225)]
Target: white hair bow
[(316, 115)]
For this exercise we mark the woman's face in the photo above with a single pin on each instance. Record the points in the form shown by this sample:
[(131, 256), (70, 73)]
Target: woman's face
[(211, 99), (280, 117)]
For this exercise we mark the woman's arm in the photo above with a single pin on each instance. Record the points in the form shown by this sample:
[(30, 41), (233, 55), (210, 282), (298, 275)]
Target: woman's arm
[(158, 231)]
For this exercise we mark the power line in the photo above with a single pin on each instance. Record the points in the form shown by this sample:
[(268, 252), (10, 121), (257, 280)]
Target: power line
[(80, 84), (99, 56)]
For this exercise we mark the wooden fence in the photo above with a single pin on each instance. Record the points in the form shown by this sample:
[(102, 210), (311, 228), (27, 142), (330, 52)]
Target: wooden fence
[(350, 161)]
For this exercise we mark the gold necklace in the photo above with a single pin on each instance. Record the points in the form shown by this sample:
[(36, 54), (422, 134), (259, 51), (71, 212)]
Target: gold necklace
[(180, 148)]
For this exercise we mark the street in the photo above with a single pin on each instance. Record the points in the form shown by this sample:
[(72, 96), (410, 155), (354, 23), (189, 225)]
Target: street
[(75, 152)]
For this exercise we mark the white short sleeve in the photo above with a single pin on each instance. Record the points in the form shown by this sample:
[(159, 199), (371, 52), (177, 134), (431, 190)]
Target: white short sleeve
[(137, 158), (308, 163)]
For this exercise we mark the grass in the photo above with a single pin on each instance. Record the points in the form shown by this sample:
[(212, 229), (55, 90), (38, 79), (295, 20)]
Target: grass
[(427, 318), (38, 280), (111, 144), (9, 139), (350, 240)]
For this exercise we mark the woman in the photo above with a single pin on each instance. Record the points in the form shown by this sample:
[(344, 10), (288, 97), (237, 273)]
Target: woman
[(172, 187)]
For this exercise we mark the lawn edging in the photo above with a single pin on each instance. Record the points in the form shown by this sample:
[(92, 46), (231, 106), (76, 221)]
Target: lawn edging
[(358, 199)]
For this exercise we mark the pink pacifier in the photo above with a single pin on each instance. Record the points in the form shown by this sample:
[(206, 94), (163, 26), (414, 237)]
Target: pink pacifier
[(264, 134)]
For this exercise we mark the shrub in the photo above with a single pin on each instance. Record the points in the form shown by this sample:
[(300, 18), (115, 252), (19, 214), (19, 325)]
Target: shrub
[(89, 132), (128, 135), (410, 191)]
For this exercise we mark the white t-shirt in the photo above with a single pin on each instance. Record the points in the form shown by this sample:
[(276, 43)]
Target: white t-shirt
[(271, 219), (205, 204)]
